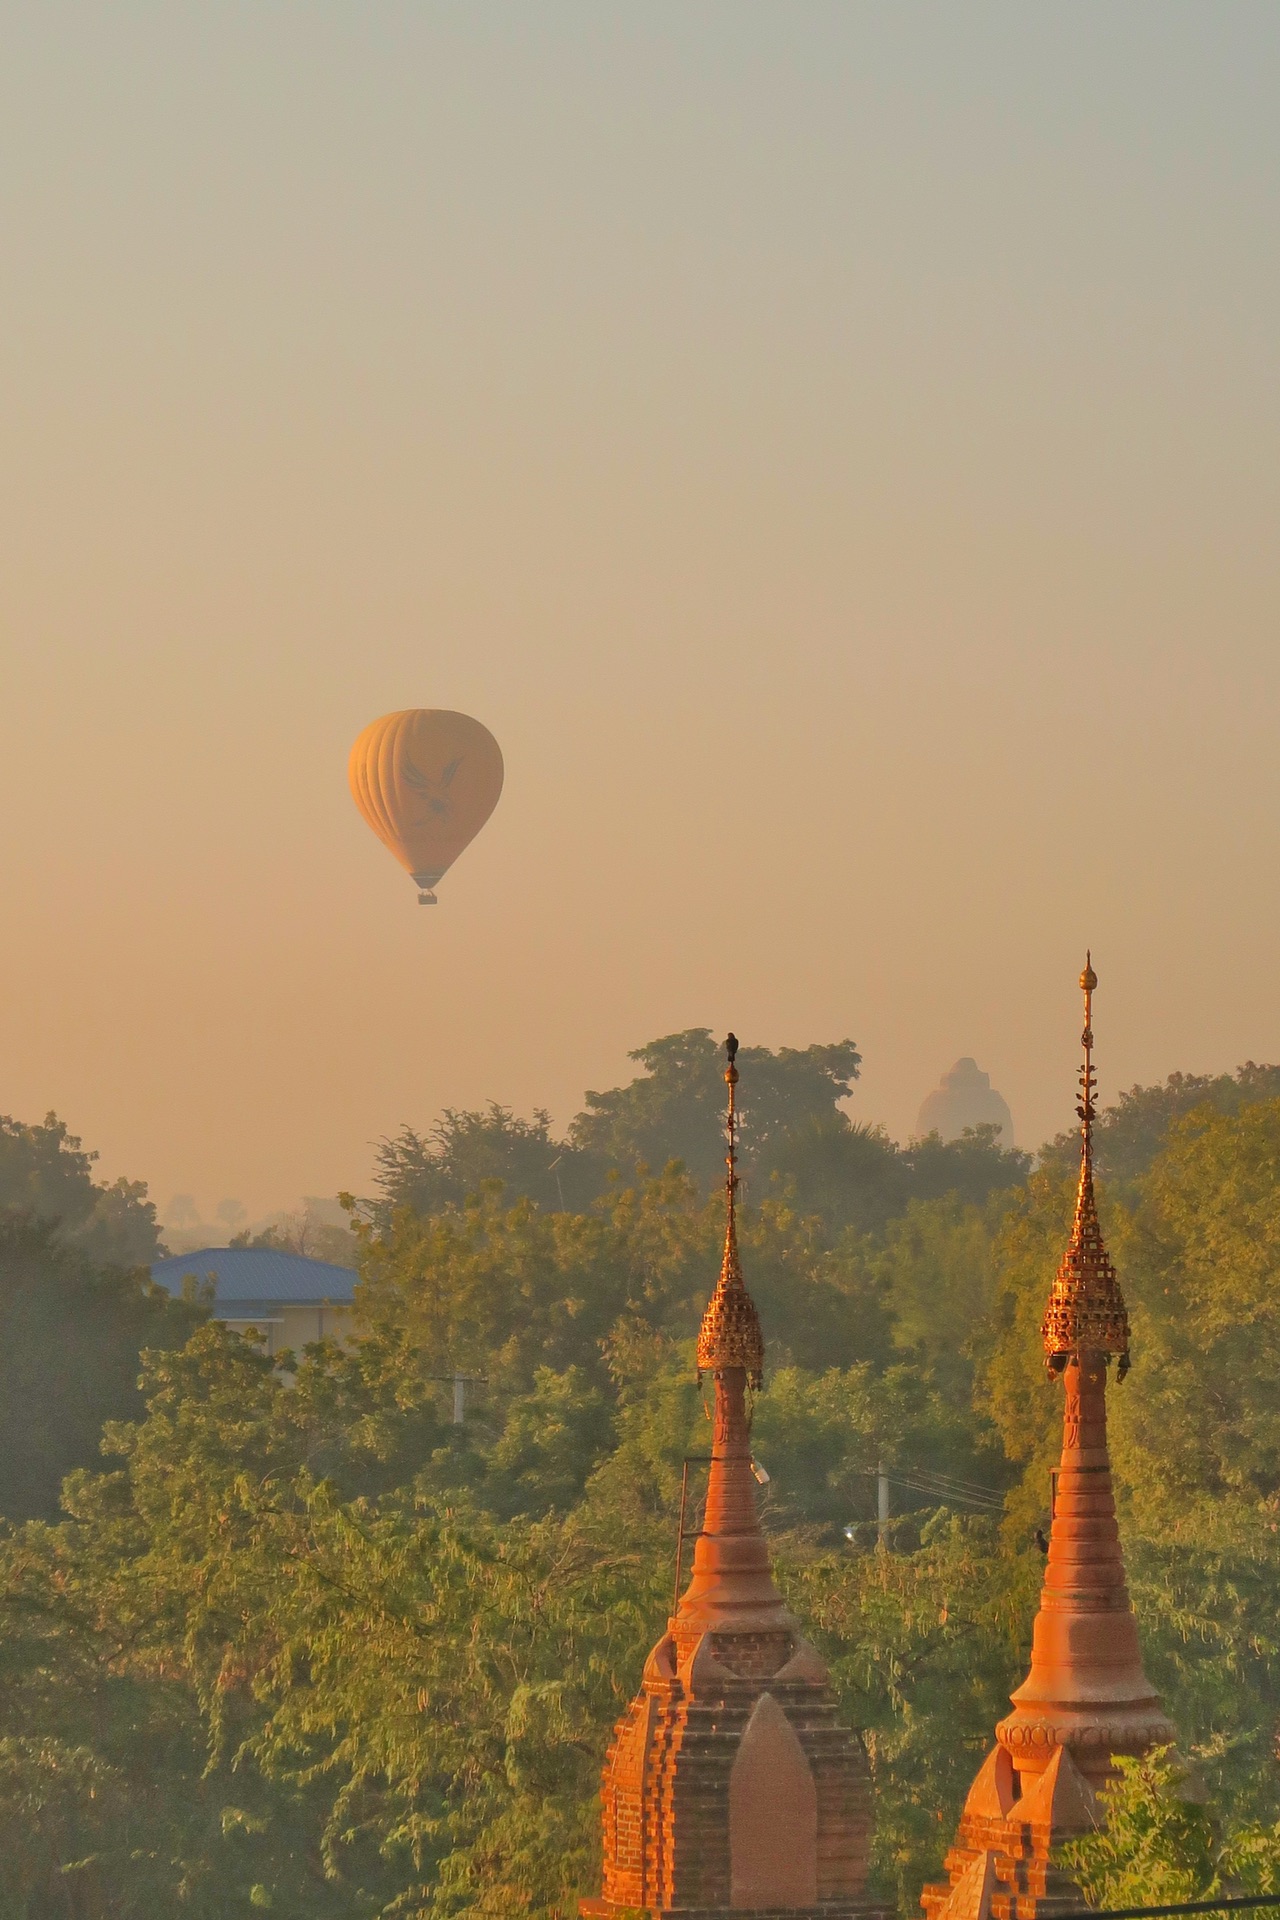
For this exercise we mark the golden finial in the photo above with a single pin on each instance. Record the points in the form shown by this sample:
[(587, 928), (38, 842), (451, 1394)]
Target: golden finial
[(731, 1123), (1086, 1310), (730, 1334), (1088, 1079)]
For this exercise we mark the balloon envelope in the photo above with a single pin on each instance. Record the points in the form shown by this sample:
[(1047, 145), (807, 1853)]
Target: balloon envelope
[(426, 780)]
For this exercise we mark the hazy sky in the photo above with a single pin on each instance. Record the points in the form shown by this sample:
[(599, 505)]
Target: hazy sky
[(834, 448)]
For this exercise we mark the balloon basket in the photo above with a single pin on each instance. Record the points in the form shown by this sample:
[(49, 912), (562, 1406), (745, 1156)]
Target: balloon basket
[(427, 900)]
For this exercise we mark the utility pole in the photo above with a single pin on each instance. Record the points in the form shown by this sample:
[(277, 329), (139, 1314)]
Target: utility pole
[(882, 1508), (691, 1460), (460, 1382)]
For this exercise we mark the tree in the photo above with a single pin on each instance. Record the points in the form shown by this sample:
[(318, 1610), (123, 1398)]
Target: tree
[(1202, 1269), (70, 1339), (121, 1230), (552, 1440), (1160, 1842), (305, 1232), (46, 1171), (464, 1150), (1130, 1134), (974, 1167), (796, 1143), (1157, 1844), (675, 1110), (850, 1176), (398, 1706), (822, 1437), (936, 1269)]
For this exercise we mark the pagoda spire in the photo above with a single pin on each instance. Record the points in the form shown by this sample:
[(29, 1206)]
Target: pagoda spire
[(731, 1788), (731, 1582), (1087, 1689), (1087, 1697)]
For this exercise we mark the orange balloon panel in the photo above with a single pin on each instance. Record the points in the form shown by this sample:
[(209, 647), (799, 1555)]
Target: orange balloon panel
[(426, 781)]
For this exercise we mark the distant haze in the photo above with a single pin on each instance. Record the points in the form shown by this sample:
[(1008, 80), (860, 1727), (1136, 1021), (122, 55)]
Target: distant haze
[(964, 1098), (833, 448)]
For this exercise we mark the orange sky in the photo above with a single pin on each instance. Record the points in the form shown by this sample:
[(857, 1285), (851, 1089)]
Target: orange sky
[(834, 449)]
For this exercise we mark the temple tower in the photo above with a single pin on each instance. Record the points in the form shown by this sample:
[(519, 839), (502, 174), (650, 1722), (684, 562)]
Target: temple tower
[(1086, 1697), (731, 1790)]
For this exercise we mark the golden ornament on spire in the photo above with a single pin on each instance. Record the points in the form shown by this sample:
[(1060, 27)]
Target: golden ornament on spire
[(1086, 1310), (730, 1334)]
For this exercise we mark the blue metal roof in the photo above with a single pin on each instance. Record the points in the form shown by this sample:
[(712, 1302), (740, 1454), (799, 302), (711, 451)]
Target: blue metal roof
[(262, 1275)]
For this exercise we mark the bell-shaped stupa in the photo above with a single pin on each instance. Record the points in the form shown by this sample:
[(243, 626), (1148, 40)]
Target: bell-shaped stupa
[(731, 1789), (965, 1097), (1087, 1697)]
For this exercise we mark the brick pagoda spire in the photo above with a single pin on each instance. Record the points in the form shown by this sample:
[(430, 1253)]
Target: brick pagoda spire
[(1087, 1697), (731, 1790)]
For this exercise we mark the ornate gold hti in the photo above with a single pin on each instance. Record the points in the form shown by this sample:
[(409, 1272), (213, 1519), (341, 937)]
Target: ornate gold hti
[(1086, 1310), (730, 1335)]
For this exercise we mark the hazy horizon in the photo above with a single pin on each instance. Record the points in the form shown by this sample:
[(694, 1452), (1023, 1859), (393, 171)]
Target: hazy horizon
[(833, 450), (269, 1213)]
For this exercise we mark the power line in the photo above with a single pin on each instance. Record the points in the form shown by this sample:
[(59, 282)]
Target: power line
[(946, 1498), (1233, 1903), (951, 1480), (925, 1484), (922, 1480)]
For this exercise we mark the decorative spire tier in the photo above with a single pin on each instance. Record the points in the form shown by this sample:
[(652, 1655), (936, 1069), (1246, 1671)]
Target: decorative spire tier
[(1086, 1311), (731, 1788), (1087, 1697), (731, 1578), (730, 1335)]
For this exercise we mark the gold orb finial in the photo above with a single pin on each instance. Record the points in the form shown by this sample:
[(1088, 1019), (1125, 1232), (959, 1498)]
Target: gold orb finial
[(1088, 979)]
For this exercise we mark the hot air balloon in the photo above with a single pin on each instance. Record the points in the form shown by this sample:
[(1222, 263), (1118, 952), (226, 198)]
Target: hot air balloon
[(426, 781)]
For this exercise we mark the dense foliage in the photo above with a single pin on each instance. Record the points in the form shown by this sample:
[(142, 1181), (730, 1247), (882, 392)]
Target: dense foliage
[(795, 1141), (71, 1334), (45, 1171), (300, 1644), (1161, 1842)]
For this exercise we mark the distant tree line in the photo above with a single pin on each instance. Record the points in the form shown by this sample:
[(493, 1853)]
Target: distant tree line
[(796, 1142)]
